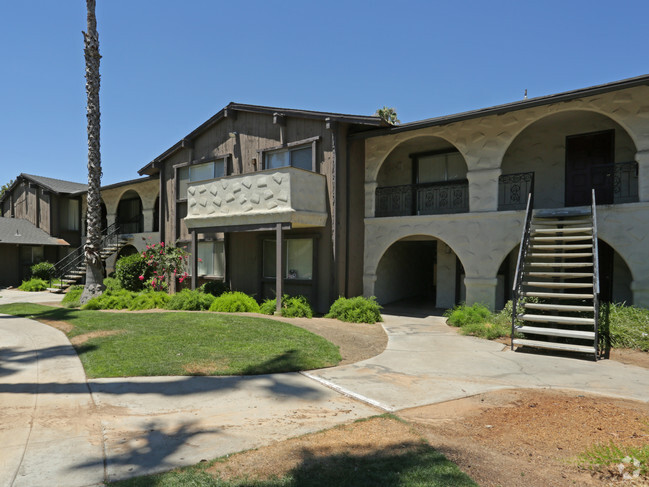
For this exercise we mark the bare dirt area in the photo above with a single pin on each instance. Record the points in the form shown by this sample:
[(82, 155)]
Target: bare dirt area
[(507, 438)]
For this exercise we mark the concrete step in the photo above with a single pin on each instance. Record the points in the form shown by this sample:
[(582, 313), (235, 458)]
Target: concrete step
[(563, 275), (69, 281), (553, 346), (559, 285), (561, 246), (561, 222), (559, 307), (538, 294), (556, 332), (55, 290), (559, 264), (576, 211), (562, 238), (543, 231), (570, 255), (562, 320)]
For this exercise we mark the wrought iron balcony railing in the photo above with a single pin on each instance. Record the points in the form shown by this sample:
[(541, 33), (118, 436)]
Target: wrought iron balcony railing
[(625, 182), (513, 190), (423, 199)]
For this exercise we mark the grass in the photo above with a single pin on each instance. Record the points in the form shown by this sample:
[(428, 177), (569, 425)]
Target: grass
[(185, 343), (617, 459), (477, 320), (629, 327)]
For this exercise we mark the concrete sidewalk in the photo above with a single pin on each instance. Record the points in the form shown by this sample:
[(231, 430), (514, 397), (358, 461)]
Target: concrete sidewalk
[(426, 362)]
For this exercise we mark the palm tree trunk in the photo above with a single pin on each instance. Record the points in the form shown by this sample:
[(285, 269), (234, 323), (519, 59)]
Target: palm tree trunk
[(94, 269)]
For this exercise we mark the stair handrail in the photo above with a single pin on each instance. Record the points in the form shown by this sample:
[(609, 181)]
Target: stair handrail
[(522, 251), (74, 258), (595, 275)]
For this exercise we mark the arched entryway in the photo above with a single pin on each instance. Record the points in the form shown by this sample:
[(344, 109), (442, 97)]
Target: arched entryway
[(419, 270), (571, 152), (129, 213), (126, 251), (422, 176)]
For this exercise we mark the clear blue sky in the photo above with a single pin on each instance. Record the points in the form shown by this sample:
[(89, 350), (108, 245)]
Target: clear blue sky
[(168, 65)]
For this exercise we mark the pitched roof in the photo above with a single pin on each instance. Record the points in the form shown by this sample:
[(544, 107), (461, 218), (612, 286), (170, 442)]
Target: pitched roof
[(511, 107), (369, 120), (56, 185), (19, 231)]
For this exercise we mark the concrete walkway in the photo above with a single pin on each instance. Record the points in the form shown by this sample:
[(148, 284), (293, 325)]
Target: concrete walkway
[(56, 428), (426, 362)]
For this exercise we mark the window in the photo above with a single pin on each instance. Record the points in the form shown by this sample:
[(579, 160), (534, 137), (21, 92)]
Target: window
[(199, 172), (69, 214), (298, 258), (212, 259), (447, 166), (301, 157), (129, 215)]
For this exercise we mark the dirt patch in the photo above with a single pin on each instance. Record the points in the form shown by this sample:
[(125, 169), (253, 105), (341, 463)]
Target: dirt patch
[(356, 341), (529, 437), (206, 367), (63, 326), (79, 339), (505, 438), (360, 439), (630, 357)]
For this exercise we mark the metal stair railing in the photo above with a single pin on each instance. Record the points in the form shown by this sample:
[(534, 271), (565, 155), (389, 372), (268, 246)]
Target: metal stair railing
[(595, 276), (110, 236), (522, 252)]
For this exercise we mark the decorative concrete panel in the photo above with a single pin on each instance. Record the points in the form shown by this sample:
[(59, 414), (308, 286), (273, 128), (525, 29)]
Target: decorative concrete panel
[(286, 195)]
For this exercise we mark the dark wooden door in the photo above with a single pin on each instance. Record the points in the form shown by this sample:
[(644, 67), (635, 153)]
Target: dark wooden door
[(590, 164)]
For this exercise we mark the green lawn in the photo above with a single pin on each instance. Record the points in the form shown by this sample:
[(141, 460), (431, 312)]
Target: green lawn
[(185, 343)]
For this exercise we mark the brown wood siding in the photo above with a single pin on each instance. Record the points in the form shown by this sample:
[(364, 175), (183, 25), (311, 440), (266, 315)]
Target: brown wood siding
[(9, 255), (44, 211), (356, 224)]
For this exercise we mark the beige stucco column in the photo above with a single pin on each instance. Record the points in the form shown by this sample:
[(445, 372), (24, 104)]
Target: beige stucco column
[(111, 218), (643, 174), (446, 262), (370, 198), (640, 289), (481, 290), (368, 284), (483, 189), (147, 213)]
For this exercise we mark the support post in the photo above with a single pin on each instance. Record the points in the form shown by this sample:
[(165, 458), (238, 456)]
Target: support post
[(194, 259), (279, 257)]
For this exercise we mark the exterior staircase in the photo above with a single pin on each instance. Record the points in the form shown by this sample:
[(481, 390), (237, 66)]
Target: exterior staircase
[(557, 281), (72, 268)]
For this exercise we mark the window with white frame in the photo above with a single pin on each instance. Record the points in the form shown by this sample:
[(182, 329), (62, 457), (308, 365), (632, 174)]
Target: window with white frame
[(211, 257), (199, 172), (298, 258), (301, 157)]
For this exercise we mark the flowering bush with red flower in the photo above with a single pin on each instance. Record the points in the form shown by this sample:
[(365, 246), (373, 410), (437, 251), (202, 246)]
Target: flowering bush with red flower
[(165, 263)]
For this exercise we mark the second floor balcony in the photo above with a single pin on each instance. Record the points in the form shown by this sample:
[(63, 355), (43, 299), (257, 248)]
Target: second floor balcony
[(423, 199)]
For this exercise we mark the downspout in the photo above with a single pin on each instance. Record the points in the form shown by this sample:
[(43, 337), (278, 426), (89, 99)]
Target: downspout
[(331, 126)]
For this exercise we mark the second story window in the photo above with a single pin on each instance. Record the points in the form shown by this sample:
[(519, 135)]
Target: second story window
[(199, 172), (437, 167), (300, 157)]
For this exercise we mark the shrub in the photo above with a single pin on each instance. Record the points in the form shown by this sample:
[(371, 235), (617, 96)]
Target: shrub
[(114, 300), (190, 300), (33, 285), (128, 271), (42, 270), (111, 284), (71, 298), (215, 288), (463, 315), (292, 307), (149, 300), (232, 302), (356, 310), (628, 327), (164, 264)]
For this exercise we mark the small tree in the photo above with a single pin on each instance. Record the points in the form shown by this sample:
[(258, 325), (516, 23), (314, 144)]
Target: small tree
[(388, 114), (166, 263), (5, 187)]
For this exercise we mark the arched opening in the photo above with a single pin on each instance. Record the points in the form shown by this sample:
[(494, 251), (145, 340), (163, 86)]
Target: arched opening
[(422, 176), (104, 217), (129, 213), (567, 154), (420, 270), (156, 214)]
